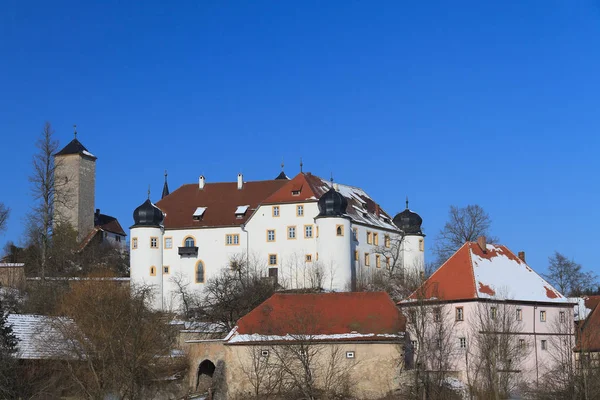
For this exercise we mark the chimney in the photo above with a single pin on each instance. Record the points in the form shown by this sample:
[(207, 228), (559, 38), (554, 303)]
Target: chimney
[(201, 182), (240, 181), (522, 256), (482, 243), (97, 211)]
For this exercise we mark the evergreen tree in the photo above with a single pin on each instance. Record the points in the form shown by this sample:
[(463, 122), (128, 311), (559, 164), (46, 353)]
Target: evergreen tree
[(8, 361)]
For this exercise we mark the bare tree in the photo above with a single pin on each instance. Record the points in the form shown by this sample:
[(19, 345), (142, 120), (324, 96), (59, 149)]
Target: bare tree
[(113, 343), (4, 213), (465, 224), (262, 372), (496, 349), (431, 330), (42, 217), (568, 276)]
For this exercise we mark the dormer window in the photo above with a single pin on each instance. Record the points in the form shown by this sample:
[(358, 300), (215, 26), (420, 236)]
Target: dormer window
[(240, 211), (295, 193), (199, 213)]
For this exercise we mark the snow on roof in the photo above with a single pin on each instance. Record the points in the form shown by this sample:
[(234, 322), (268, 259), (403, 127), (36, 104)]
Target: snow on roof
[(580, 310), (241, 209), (38, 337), (199, 327), (11, 265), (87, 153), (502, 274), (199, 211), (497, 273), (239, 338)]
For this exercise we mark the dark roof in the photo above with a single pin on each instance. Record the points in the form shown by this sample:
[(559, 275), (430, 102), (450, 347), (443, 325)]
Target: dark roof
[(332, 204), (409, 222), (75, 147), (282, 175), (324, 314), (165, 191), (147, 214), (109, 224), (221, 200)]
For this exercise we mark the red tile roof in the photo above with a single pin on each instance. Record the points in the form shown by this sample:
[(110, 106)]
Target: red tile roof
[(588, 336), (472, 273), (324, 314), (220, 199)]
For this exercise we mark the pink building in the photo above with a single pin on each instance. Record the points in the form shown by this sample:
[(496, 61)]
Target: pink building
[(485, 303)]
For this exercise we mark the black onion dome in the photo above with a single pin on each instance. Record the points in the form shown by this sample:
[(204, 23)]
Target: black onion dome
[(409, 222), (332, 204), (148, 215)]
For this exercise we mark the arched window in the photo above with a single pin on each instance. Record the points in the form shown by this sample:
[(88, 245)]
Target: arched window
[(190, 242), (339, 230), (200, 272)]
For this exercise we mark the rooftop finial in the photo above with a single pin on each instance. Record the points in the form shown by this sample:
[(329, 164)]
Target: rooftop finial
[(331, 178), (75, 130), (407, 202), (148, 192), (301, 164), (165, 175), (282, 164)]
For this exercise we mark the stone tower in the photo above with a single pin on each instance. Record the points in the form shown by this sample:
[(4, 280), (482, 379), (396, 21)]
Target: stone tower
[(75, 180)]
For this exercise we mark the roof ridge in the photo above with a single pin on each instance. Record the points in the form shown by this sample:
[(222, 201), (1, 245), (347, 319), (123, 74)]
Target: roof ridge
[(476, 295)]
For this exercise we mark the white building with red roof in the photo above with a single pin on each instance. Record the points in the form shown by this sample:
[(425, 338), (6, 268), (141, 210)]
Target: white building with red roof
[(304, 232), (486, 291)]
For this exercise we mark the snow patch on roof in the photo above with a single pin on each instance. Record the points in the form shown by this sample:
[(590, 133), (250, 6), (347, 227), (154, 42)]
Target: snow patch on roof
[(87, 153), (510, 278), (255, 337), (199, 211), (38, 336), (580, 311), (241, 209)]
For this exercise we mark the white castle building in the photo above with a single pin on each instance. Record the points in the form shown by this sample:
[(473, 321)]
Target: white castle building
[(302, 232)]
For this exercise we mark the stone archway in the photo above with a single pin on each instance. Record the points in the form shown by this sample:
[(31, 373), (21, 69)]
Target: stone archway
[(204, 375)]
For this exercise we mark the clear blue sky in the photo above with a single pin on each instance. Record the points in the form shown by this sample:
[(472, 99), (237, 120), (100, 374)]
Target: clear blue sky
[(494, 103)]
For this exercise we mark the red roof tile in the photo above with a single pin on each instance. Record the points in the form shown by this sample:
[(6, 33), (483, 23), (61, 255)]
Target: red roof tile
[(220, 199), (324, 314), (588, 337), (472, 273)]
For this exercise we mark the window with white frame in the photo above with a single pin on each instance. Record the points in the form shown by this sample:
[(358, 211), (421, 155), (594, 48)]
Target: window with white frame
[(272, 259), (232, 239), (190, 242), (270, 235), (299, 211), (542, 316), (561, 316), (154, 243), (460, 314), (275, 211), (168, 243)]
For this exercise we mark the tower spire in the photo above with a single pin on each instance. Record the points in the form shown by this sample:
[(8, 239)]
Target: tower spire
[(165, 191)]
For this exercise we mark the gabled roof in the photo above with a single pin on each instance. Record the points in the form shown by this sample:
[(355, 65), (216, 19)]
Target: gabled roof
[(361, 208), (345, 316), (588, 335), (472, 273), (38, 337), (109, 224), (220, 200), (75, 147)]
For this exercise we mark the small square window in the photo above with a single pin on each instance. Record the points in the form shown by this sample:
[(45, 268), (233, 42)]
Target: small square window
[(544, 345), (272, 259), (291, 232), (264, 353), (350, 354), (462, 342), (166, 270), (522, 343), (543, 316), (168, 243), (154, 243), (270, 235), (308, 258), (300, 211), (134, 243), (276, 211)]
